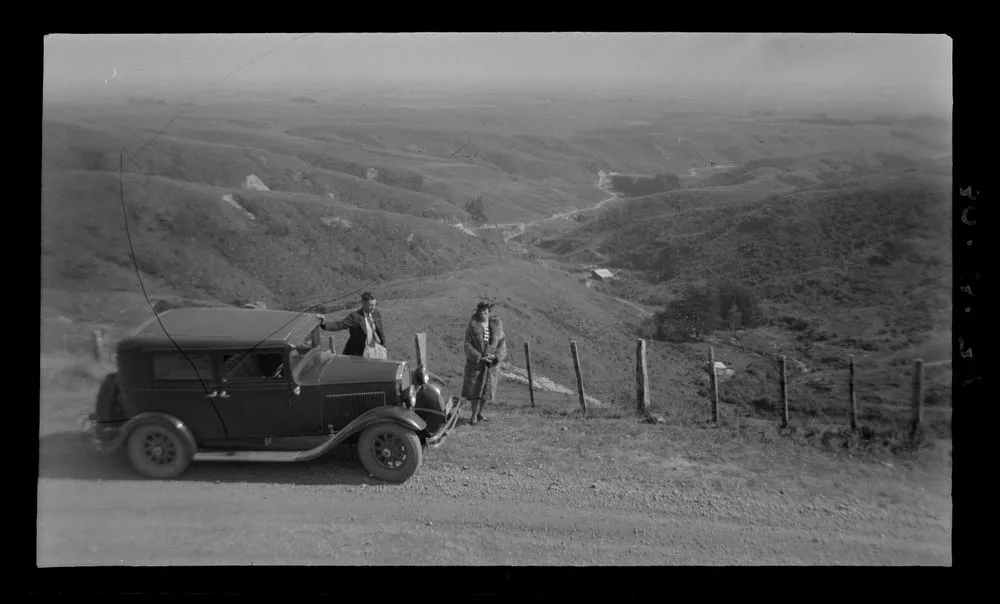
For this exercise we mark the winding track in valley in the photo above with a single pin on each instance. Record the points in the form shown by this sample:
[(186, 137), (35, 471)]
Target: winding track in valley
[(521, 227)]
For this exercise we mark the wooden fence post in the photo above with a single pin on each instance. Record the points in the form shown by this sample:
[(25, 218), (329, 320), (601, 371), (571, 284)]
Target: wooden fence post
[(714, 380), (784, 393), (531, 383), (917, 398), (854, 401), (641, 380), (98, 346), (420, 343), (579, 376)]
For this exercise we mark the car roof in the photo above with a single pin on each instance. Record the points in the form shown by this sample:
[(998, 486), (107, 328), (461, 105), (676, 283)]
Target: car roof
[(217, 327)]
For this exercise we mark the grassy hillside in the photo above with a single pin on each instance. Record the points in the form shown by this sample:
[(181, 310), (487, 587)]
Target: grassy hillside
[(72, 146), (863, 269), (188, 239), (529, 158), (544, 307), (786, 245), (837, 224), (399, 168), (676, 143)]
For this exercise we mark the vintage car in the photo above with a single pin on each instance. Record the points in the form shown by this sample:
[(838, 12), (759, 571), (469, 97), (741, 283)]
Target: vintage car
[(229, 384)]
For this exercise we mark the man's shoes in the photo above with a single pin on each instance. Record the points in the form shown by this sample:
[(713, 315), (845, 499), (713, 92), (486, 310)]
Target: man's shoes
[(481, 418)]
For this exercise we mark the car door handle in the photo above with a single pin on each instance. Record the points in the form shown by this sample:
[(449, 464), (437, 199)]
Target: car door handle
[(223, 395), (214, 394)]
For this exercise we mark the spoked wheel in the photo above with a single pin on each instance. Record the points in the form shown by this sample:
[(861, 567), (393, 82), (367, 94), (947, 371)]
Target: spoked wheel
[(390, 452), (157, 451)]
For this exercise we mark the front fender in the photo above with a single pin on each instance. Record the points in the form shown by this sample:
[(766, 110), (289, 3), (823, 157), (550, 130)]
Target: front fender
[(142, 418), (397, 415)]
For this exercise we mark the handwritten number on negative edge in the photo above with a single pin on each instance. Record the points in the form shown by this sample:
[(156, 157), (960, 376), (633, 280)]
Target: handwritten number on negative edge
[(967, 192)]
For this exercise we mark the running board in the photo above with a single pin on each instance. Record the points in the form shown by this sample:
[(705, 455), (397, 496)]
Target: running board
[(377, 415), (256, 456)]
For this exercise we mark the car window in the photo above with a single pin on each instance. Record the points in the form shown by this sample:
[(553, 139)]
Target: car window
[(176, 366), (253, 366)]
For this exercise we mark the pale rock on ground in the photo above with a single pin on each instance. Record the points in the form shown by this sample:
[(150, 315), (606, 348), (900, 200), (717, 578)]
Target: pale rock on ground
[(465, 229), (253, 182), (228, 198), (341, 222)]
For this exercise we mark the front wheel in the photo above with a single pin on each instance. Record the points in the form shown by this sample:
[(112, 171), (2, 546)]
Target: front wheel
[(157, 451), (390, 452)]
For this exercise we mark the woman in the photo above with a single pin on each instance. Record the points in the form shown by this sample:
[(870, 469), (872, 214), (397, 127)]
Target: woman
[(485, 349)]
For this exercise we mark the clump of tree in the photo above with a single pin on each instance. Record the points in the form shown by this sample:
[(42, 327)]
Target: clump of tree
[(635, 186), (477, 209), (702, 309)]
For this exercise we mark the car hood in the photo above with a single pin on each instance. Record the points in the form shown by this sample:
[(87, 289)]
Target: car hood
[(352, 370)]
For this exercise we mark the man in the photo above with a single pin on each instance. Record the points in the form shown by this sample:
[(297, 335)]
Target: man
[(485, 349), (367, 339)]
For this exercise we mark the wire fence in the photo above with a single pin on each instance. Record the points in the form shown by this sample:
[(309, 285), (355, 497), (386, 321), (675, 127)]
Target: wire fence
[(789, 396), (831, 396), (843, 396)]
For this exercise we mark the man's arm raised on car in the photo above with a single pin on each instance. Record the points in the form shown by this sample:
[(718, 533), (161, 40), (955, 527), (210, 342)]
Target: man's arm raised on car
[(345, 323)]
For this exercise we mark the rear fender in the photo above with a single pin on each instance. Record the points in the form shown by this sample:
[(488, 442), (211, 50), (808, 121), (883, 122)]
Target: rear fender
[(108, 405), (147, 417)]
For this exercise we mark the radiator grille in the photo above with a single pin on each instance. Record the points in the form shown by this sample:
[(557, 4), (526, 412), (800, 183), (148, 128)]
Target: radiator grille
[(354, 404)]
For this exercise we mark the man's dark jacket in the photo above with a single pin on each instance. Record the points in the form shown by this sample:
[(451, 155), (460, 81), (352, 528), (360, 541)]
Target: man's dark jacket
[(355, 322)]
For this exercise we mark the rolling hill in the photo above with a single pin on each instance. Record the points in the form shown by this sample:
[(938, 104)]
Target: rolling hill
[(276, 246), (836, 223), (861, 268)]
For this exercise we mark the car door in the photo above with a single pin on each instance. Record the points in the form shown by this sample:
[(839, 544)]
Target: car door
[(182, 384), (255, 397)]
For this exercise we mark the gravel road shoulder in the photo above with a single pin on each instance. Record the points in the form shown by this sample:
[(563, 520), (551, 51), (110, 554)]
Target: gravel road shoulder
[(520, 490)]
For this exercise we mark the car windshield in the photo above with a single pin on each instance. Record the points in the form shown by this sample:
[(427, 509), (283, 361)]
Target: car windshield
[(307, 367), (307, 335)]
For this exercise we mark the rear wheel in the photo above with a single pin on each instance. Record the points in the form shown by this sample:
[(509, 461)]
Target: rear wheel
[(156, 450), (390, 452)]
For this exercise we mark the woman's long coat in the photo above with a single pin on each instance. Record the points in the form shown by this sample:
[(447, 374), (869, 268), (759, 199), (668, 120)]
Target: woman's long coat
[(475, 349)]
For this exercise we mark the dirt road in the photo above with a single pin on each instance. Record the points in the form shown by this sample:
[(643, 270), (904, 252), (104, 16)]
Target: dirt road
[(521, 227), (495, 494), (693, 172), (644, 311)]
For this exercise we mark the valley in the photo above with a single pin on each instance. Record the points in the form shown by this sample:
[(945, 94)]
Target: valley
[(778, 233), (272, 202)]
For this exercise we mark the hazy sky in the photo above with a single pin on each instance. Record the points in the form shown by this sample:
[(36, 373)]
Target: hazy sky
[(101, 61)]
